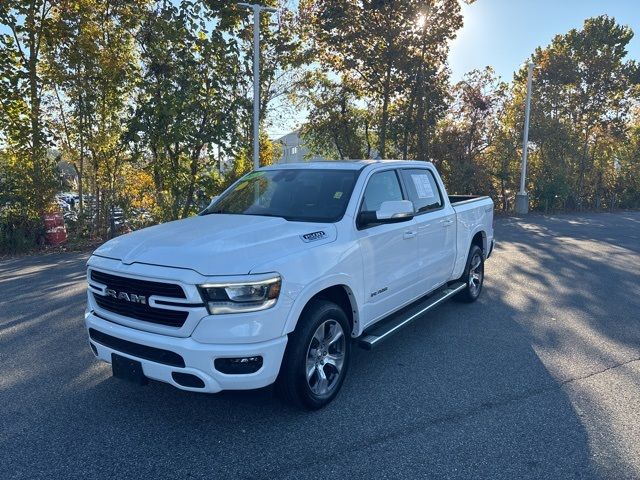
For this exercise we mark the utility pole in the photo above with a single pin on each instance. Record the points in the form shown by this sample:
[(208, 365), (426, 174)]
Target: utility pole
[(257, 9), (522, 197)]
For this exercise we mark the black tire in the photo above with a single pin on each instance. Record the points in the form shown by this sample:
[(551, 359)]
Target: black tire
[(299, 357), (473, 277)]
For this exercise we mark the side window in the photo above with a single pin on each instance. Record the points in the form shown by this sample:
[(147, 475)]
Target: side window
[(422, 189), (382, 187)]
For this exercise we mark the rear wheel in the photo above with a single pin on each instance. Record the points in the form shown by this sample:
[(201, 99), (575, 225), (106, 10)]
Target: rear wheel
[(317, 356), (473, 276)]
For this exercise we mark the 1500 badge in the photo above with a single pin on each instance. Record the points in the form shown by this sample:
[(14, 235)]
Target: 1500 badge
[(313, 236), (382, 290)]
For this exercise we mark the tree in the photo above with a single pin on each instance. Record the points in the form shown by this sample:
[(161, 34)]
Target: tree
[(336, 127), (91, 66), (21, 98), (463, 143), (187, 101), (583, 93), (426, 77), (394, 48), (626, 188)]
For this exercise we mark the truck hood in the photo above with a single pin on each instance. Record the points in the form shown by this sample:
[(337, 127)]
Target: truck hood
[(217, 244)]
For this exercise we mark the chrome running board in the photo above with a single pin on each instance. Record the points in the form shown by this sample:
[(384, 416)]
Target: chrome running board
[(383, 329)]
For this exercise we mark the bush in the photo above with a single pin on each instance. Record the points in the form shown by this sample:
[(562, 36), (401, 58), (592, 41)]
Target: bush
[(19, 232)]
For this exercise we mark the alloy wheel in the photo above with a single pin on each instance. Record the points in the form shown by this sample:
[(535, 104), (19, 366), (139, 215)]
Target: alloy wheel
[(476, 271), (325, 357)]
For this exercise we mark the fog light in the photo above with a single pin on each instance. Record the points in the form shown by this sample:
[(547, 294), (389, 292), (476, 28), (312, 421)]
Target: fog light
[(238, 365), (187, 380)]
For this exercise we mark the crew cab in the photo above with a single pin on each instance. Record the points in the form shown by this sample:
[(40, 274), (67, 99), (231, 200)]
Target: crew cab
[(281, 275)]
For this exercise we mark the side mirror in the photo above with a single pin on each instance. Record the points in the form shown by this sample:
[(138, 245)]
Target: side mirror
[(395, 211), (389, 212)]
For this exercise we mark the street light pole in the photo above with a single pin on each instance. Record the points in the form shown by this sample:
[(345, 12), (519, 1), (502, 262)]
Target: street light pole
[(257, 9), (522, 197)]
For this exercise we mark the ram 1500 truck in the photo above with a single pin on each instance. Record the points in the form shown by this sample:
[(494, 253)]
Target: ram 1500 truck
[(283, 273)]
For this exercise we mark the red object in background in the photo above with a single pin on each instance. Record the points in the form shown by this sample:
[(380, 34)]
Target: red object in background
[(56, 233)]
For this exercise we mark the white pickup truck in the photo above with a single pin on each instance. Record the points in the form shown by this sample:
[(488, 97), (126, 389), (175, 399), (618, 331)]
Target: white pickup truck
[(282, 273)]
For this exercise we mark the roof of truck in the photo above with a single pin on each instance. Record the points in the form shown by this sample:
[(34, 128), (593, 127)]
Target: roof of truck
[(333, 164)]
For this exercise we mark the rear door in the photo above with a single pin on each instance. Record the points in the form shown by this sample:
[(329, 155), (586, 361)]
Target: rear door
[(388, 250), (435, 220)]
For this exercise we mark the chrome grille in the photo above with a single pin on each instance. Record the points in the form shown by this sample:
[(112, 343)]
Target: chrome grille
[(139, 311)]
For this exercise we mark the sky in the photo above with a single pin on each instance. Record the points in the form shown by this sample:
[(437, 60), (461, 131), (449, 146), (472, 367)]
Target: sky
[(504, 33)]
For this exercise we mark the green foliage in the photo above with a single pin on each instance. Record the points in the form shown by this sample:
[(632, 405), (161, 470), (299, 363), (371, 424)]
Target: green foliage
[(627, 168), (20, 226), (397, 52), (336, 127), (91, 65), (464, 147), (583, 144), (19, 231), (583, 93), (25, 132), (150, 101), (242, 164), (187, 100)]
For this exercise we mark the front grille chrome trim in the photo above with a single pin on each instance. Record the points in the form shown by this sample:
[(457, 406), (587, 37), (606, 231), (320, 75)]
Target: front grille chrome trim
[(152, 310)]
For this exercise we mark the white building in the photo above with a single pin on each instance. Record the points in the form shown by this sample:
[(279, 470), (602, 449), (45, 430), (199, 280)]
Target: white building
[(293, 150)]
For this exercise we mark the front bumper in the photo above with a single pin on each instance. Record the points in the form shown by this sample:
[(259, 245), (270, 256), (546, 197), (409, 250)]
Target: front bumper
[(198, 357)]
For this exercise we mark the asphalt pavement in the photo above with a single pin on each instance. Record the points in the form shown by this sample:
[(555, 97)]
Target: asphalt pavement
[(538, 379)]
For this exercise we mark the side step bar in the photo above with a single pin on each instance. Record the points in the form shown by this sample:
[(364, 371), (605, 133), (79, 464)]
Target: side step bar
[(385, 328)]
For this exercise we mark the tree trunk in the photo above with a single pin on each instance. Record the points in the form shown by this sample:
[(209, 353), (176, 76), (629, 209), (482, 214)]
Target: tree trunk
[(417, 84), (421, 147), (385, 111), (409, 118), (581, 172), (336, 142), (157, 177), (82, 152), (195, 155), (366, 136), (81, 170), (174, 157), (34, 110)]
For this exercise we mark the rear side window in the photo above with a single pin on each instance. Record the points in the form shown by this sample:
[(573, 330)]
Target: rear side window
[(422, 189), (382, 187)]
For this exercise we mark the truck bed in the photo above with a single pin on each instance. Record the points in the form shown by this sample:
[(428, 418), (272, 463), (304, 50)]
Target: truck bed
[(458, 199)]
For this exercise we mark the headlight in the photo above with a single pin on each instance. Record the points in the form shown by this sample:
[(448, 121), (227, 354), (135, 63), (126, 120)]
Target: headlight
[(241, 297)]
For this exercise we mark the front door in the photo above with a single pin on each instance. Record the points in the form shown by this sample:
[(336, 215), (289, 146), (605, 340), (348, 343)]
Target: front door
[(389, 251)]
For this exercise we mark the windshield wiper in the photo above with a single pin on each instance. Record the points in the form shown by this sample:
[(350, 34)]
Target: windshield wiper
[(243, 213), (212, 211), (266, 215)]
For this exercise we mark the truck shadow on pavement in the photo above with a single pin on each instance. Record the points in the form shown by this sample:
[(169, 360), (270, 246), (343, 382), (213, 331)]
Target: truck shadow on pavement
[(487, 390)]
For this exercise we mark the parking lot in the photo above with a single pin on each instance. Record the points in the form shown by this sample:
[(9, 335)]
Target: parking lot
[(538, 379)]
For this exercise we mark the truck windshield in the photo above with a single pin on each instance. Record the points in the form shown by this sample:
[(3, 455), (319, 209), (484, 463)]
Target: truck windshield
[(305, 195)]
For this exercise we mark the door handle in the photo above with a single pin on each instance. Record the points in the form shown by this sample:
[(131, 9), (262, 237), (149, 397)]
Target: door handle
[(446, 223), (409, 234)]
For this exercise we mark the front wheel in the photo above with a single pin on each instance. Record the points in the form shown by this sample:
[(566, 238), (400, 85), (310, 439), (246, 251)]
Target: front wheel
[(473, 276), (317, 357)]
